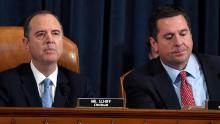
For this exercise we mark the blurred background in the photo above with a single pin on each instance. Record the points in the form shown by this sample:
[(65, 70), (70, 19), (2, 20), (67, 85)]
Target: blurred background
[(112, 35)]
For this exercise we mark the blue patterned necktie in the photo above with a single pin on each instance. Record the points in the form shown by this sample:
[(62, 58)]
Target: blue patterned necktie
[(47, 98)]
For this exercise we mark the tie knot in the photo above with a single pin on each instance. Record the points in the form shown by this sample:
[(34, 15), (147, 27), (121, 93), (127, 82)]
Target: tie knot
[(47, 82), (183, 74)]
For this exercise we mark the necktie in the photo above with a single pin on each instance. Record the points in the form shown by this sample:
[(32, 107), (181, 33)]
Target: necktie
[(47, 98), (186, 91)]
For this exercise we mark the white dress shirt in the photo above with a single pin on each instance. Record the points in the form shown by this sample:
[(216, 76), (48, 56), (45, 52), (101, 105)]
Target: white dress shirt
[(39, 77)]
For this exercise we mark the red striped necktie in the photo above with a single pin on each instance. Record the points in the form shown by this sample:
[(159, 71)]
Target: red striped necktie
[(186, 91)]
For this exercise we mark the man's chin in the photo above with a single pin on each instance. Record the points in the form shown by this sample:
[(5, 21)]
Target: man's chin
[(49, 61), (181, 61)]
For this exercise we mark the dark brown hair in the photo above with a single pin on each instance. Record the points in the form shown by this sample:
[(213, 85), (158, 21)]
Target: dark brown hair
[(165, 12), (28, 20)]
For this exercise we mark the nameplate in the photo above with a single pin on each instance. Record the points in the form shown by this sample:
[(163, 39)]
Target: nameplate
[(213, 104), (101, 102)]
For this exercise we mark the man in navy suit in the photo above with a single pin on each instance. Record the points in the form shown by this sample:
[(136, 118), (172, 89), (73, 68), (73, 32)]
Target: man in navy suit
[(157, 83), (22, 86)]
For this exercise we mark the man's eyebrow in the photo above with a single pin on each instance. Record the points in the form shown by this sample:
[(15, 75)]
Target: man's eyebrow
[(183, 30), (169, 33), (41, 31), (56, 30)]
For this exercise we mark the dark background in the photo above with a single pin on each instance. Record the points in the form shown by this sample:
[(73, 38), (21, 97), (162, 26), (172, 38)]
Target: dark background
[(111, 34)]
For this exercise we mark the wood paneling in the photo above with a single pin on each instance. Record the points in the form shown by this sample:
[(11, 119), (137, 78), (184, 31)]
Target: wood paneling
[(106, 116)]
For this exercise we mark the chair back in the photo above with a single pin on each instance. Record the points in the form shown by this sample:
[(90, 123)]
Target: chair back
[(13, 53), (122, 93)]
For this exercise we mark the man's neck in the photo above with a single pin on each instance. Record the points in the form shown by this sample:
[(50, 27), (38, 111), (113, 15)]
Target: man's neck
[(45, 69)]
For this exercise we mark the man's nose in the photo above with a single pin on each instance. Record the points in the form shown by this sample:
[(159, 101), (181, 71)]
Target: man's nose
[(49, 37), (178, 40)]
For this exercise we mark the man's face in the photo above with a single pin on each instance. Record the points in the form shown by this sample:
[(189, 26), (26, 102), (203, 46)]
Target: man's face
[(45, 41), (174, 41)]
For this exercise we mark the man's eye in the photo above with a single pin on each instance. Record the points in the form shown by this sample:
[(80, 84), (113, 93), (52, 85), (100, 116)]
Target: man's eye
[(56, 33), (183, 33), (40, 35), (169, 37)]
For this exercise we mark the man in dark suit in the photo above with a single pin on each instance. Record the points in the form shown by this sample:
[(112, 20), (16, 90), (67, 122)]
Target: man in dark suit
[(178, 78), (24, 86)]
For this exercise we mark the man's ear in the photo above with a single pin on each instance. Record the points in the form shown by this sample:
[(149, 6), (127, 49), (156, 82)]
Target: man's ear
[(154, 44), (26, 43)]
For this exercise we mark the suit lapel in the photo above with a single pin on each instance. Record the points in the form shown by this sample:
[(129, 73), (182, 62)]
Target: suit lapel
[(60, 96), (29, 86), (163, 84), (211, 77)]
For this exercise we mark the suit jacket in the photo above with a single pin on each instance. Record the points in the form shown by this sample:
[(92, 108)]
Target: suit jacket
[(18, 88), (149, 86)]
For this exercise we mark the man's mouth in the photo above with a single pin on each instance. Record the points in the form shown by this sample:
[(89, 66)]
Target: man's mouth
[(50, 50), (180, 50)]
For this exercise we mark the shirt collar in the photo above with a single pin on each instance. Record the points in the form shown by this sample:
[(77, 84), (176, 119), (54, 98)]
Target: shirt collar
[(173, 73), (191, 68), (39, 77)]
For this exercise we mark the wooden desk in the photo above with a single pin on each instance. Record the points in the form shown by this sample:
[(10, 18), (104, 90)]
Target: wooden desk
[(106, 116)]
